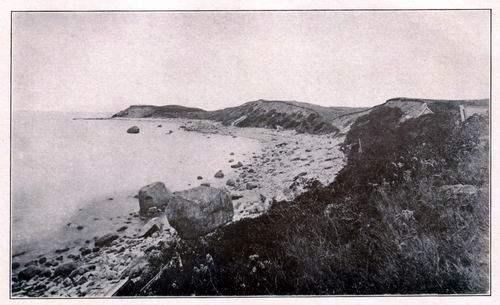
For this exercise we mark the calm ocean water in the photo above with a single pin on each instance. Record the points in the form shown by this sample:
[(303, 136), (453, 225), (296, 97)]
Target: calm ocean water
[(64, 170)]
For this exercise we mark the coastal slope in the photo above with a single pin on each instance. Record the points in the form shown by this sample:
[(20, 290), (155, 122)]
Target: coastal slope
[(274, 114)]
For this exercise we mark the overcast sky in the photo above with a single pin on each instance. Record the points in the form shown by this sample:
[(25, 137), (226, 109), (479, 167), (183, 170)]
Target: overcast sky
[(107, 61)]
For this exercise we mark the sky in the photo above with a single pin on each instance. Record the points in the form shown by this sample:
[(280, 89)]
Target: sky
[(104, 62)]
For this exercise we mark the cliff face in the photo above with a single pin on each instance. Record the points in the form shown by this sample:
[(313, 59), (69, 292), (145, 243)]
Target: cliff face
[(276, 114)]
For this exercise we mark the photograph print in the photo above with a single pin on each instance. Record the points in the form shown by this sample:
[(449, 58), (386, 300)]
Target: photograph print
[(250, 153)]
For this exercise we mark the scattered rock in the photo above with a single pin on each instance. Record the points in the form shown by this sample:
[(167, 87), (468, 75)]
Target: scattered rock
[(122, 229), (236, 196), (28, 273), (199, 210), (152, 226), (65, 269), (62, 250), (205, 184), (159, 125), (237, 165), (74, 273), (15, 265), (67, 282), (230, 182), (79, 228), (219, 174), (82, 280), (42, 260), (262, 198), (133, 129), (199, 177), (153, 195), (85, 251), (251, 186), (105, 240)]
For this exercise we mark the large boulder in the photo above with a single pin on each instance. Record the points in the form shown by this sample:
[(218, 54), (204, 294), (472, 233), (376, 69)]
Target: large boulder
[(200, 210), (153, 195)]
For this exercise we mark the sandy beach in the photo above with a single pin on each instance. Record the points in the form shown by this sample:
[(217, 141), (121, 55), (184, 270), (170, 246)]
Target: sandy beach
[(280, 170)]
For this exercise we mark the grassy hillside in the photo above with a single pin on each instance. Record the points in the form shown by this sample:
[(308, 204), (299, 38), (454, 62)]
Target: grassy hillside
[(302, 117), (408, 214), (150, 111)]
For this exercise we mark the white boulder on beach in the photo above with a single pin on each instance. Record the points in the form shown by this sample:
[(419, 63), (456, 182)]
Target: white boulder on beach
[(200, 210)]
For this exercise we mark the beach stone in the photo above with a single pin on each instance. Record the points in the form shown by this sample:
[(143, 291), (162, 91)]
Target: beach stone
[(59, 258), (199, 210), (199, 177), (237, 165), (82, 280), (62, 250), (67, 282), (85, 251), (251, 186), (133, 129), (230, 182), (65, 269), (46, 273), (122, 229), (152, 226), (42, 260), (105, 240), (29, 272), (153, 195), (138, 267), (236, 196), (74, 273), (219, 174)]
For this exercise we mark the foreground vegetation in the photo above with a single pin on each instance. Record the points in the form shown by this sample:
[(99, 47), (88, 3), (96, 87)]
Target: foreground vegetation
[(408, 214)]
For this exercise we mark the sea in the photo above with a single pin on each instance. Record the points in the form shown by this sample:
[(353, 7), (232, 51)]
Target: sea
[(67, 173)]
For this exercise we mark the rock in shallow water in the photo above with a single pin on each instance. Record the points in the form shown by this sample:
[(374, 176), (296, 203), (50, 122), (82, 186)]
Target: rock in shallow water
[(219, 174), (133, 129), (199, 210), (237, 165)]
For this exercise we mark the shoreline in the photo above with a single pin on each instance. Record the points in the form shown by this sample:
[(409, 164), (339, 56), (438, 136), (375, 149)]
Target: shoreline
[(281, 170)]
